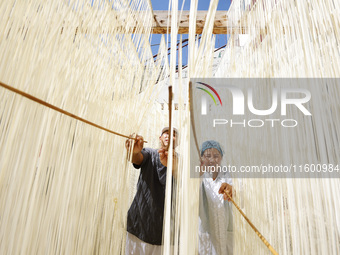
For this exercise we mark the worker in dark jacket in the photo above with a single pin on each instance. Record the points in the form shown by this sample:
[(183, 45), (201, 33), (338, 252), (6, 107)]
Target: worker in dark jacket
[(145, 216)]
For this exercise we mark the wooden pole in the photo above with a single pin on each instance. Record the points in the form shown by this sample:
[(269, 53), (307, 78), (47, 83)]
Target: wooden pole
[(39, 101)]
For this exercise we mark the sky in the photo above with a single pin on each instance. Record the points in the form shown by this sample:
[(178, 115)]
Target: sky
[(203, 5)]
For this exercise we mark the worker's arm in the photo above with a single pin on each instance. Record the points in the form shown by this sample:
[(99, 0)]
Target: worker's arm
[(137, 156)]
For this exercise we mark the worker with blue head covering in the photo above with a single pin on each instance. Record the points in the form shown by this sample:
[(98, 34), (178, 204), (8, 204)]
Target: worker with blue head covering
[(215, 213)]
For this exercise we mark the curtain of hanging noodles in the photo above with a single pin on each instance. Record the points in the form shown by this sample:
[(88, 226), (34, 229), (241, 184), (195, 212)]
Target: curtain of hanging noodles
[(289, 39), (65, 186), (57, 194)]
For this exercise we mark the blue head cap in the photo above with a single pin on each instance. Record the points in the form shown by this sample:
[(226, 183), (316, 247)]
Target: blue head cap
[(211, 144)]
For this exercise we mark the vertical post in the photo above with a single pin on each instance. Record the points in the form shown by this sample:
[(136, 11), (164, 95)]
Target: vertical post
[(170, 113)]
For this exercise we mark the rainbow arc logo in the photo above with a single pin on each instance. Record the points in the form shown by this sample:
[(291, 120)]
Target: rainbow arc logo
[(209, 93)]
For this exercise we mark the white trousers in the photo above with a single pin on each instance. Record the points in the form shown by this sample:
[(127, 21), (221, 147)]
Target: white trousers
[(136, 246)]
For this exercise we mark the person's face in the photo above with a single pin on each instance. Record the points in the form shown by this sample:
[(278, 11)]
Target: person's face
[(211, 157), (164, 139)]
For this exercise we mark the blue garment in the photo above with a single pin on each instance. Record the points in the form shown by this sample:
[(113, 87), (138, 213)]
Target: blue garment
[(211, 144), (145, 216)]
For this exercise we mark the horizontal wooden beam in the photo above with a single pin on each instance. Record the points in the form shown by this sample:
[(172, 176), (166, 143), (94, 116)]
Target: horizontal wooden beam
[(162, 21), (199, 30), (162, 25)]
